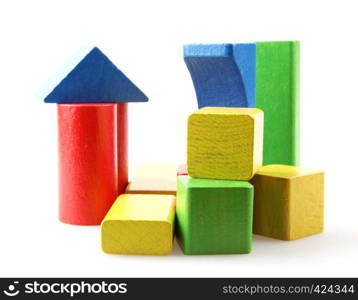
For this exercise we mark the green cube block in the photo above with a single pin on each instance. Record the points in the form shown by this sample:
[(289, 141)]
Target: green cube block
[(277, 94), (214, 216)]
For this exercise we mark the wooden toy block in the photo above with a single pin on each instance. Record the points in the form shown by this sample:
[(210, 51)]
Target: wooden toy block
[(214, 216), (89, 159), (182, 170), (245, 58), (223, 74), (225, 143), (288, 202), (139, 224), (122, 146), (159, 178), (277, 94), (90, 77)]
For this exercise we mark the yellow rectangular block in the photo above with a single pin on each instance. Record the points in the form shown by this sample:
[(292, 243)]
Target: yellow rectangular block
[(157, 178), (288, 202), (225, 143), (139, 224)]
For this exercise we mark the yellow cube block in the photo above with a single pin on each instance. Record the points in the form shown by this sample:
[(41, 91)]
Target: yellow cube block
[(225, 143), (139, 224), (154, 178), (288, 202)]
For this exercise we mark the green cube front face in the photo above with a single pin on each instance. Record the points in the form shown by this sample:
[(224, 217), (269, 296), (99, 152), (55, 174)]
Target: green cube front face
[(214, 216)]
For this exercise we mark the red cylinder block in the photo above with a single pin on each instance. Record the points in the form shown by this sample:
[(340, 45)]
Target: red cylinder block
[(122, 146), (89, 156)]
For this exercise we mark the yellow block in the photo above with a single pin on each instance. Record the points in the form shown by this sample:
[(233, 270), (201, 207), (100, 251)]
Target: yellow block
[(225, 143), (154, 179), (288, 202), (139, 224)]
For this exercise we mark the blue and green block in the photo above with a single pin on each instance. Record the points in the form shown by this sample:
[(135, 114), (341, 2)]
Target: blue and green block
[(263, 75)]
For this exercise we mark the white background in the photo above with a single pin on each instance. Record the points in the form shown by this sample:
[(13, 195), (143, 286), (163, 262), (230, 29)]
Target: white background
[(144, 39)]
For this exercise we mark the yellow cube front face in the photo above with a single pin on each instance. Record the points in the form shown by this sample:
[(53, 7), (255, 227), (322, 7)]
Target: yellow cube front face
[(288, 202), (139, 224), (225, 143)]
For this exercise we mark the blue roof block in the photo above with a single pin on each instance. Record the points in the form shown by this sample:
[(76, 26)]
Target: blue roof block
[(223, 74), (93, 79)]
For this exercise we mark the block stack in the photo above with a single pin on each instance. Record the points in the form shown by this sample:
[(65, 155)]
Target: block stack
[(242, 174), (215, 201), (92, 96), (227, 145)]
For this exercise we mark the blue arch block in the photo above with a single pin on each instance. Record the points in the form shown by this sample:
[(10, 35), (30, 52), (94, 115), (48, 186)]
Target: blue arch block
[(93, 79), (223, 74)]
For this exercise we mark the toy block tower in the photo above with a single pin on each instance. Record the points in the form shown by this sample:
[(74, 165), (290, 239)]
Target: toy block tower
[(92, 96), (227, 146), (215, 201)]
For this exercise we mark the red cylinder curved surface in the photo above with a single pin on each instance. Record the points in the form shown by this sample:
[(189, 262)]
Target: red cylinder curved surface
[(122, 146), (88, 162)]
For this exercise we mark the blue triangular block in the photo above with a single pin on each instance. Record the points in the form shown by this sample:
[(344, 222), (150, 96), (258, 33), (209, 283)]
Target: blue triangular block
[(95, 79), (223, 74)]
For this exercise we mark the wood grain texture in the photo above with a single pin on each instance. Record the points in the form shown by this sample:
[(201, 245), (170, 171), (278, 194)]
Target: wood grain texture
[(225, 143), (88, 166), (214, 216), (288, 202), (159, 178), (92, 79), (223, 74), (277, 94), (139, 224)]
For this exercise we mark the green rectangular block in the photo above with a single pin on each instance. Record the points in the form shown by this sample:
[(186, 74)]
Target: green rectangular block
[(277, 94), (214, 216)]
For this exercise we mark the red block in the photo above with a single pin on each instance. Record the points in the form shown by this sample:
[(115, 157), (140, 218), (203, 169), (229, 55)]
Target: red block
[(122, 146), (182, 170), (93, 160)]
